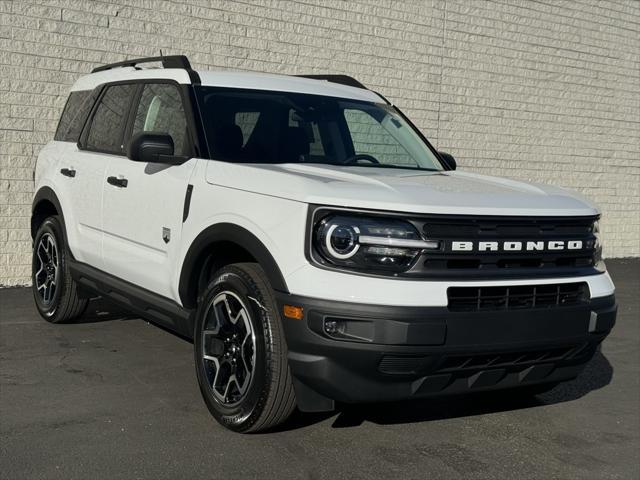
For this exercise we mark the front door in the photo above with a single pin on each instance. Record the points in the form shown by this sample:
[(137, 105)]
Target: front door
[(143, 205)]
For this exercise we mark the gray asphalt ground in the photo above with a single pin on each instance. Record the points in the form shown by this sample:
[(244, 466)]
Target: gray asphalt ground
[(115, 397)]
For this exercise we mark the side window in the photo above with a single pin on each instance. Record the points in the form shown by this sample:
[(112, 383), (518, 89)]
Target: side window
[(161, 110), (107, 127), (374, 137), (74, 115)]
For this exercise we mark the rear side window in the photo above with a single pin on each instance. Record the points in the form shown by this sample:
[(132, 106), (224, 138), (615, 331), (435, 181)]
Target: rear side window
[(74, 115), (107, 127)]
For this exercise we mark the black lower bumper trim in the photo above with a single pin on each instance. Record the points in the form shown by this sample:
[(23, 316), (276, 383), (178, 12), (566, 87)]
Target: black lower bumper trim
[(411, 352)]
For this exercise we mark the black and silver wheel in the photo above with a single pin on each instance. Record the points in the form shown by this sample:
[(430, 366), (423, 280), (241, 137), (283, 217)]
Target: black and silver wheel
[(47, 262), (54, 290), (240, 351), (228, 348)]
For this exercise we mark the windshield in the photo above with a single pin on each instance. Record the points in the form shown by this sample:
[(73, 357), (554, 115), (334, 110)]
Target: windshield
[(249, 126)]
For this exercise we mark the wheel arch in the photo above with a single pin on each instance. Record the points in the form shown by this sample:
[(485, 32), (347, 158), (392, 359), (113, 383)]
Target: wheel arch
[(46, 203), (216, 241)]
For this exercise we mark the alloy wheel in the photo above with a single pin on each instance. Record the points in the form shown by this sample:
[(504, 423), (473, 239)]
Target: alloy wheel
[(228, 348), (46, 277)]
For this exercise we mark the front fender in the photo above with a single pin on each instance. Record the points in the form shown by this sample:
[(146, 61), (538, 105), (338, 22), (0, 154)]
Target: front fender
[(225, 232)]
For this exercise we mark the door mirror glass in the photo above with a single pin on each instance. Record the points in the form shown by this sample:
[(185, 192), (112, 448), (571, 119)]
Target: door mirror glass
[(151, 147), (450, 161)]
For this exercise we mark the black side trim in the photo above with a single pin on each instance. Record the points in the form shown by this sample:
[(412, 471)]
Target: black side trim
[(187, 203), (149, 305), (224, 232)]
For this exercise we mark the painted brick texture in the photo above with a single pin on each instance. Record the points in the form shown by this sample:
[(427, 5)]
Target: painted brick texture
[(546, 91)]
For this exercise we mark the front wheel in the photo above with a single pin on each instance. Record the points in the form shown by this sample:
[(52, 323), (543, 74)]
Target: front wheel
[(240, 351)]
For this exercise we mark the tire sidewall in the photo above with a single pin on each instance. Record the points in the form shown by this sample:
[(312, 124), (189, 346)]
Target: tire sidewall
[(243, 415), (51, 225)]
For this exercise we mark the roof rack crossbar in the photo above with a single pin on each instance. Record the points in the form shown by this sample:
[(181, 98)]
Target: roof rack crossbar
[(341, 79), (168, 61)]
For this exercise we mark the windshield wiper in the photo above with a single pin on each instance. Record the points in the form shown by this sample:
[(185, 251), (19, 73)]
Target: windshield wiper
[(386, 165)]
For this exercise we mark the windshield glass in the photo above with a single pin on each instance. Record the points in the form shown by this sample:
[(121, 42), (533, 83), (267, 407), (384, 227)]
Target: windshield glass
[(250, 126)]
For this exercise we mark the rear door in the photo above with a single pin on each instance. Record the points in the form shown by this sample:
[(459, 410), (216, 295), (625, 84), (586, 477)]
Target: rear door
[(85, 169), (143, 212)]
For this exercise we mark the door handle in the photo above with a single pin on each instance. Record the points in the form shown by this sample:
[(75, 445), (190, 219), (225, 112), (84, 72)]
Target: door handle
[(118, 182), (68, 172)]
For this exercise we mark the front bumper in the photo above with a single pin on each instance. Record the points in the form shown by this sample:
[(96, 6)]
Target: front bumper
[(393, 353)]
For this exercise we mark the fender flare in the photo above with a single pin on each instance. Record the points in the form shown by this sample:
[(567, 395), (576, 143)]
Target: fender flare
[(46, 193), (226, 232)]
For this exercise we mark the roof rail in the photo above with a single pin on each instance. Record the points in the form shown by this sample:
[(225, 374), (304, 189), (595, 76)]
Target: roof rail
[(341, 79), (168, 61)]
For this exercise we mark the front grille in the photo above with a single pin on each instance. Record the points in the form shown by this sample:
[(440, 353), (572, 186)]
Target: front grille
[(507, 227), (469, 299), (502, 261)]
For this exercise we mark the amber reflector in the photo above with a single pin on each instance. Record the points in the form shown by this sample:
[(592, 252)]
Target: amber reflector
[(296, 313)]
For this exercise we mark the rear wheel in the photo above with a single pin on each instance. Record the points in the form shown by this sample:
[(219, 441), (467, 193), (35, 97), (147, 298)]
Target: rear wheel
[(240, 351), (54, 291)]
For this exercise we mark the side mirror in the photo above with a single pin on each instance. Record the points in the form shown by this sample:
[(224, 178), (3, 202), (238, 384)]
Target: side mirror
[(152, 147), (449, 160)]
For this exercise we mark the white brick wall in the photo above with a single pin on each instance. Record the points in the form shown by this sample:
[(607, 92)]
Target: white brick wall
[(547, 91)]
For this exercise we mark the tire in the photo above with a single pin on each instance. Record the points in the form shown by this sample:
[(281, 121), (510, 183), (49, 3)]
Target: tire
[(259, 397), (54, 291)]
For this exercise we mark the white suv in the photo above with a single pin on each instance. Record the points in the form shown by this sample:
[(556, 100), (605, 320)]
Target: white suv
[(312, 243)]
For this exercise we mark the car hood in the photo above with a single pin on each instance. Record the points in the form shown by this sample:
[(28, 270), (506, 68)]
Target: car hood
[(446, 192)]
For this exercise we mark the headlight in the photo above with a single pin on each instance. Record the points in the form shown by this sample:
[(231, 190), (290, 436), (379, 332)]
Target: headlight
[(368, 243), (597, 245)]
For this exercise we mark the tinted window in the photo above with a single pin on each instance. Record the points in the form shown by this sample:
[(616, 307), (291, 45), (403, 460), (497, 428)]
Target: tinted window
[(282, 127), (107, 126), (161, 110), (74, 115)]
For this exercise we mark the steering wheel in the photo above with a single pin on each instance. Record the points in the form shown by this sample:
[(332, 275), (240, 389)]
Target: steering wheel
[(361, 156)]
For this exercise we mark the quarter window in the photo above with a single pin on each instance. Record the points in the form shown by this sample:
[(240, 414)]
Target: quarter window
[(160, 110), (107, 127)]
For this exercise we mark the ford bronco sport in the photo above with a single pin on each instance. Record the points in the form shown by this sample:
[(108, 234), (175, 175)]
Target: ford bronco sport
[(311, 241)]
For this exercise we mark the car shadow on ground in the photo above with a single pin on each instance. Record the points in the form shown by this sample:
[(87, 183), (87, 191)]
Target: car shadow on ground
[(101, 310), (597, 374)]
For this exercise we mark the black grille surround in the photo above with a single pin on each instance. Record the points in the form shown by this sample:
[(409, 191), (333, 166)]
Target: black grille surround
[(469, 299), (445, 263), (509, 263)]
